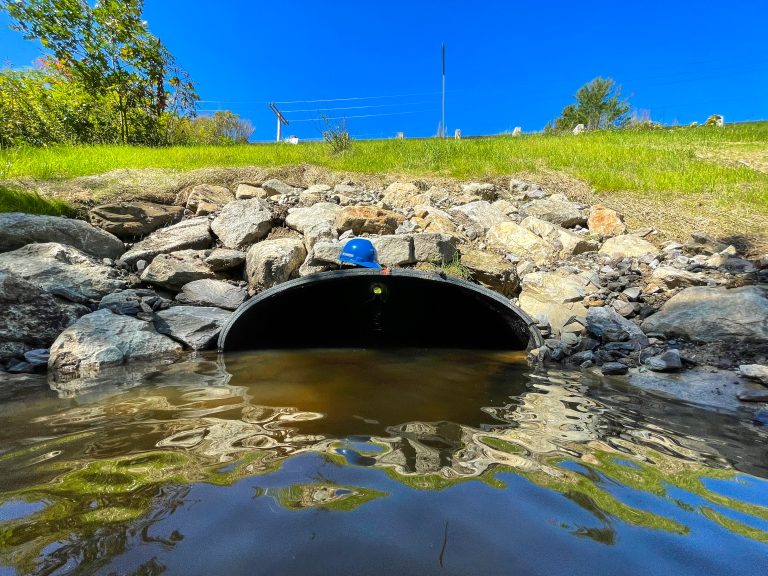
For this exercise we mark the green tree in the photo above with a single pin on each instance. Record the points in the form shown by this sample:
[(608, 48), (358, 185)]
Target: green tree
[(108, 49), (598, 106)]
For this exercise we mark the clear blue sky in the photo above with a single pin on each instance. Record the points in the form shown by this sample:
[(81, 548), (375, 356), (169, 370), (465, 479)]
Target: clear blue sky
[(509, 63)]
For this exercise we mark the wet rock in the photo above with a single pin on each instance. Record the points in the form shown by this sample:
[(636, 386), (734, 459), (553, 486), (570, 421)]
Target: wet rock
[(194, 326), (242, 223), (102, 339), (491, 270), (480, 214), (607, 324), (272, 262), (562, 213), (394, 250), (19, 367), (193, 234), (675, 278), (667, 361), (210, 292), (276, 187), (756, 372), (18, 230), (753, 396), (63, 270), (173, 271), (703, 314), (37, 357), (614, 369), (436, 248), (206, 198), (605, 222), (627, 246), (30, 318), (368, 220), (221, 259), (131, 219), (513, 238), (569, 242)]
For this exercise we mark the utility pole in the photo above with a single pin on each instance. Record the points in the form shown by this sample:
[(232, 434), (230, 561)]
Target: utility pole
[(442, 122), (280, 119)]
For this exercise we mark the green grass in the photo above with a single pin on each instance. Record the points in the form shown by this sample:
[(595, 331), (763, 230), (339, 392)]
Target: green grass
[(660, 163), (19, 201)]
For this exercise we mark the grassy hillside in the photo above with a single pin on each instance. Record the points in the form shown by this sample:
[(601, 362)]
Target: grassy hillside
[(723, 172)]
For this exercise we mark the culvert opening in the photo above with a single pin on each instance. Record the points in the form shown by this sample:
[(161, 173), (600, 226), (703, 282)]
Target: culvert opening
[(379, 309)]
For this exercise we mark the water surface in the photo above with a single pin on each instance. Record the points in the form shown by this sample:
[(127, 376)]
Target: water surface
[(362, 462)]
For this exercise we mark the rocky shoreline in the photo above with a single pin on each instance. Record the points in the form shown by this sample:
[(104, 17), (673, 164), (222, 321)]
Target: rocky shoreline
[(147, 281)]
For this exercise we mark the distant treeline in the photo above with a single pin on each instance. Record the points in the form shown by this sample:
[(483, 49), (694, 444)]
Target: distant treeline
[(104, 80)]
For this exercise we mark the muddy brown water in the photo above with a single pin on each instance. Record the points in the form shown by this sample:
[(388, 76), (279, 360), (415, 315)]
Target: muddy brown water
[(365, 462)]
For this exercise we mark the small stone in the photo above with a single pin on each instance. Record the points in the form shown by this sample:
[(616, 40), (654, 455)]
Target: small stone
[(632, 293), (667, 361), (624, 308), (614, 369), (140, 265), (275, 187), (756, 372), (605, 222), (38, 357), (753, 396)]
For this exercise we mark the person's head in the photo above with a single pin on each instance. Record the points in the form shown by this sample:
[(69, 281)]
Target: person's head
[(359, 252)]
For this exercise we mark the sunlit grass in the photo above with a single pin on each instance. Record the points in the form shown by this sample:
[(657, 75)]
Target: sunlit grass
[(20, 201), (660, 164)]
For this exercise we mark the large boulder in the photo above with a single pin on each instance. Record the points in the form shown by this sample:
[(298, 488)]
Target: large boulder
[(194, 326), (317, 223), (242, 223), (491, 270), (394, 250), (628, 246), (63, 270), (131, 219), (17, 230), (206, 198), (717, 315), (401, 195), (511, 237), (30, 318), (605, 222), (481, 215), (437, 248), (101, 339), (272, 262), (608, 325), (368, 220), (569, 242), (555, 298), (209, 292), (193, 234), (225, 259), (173, 271), (560, 212)]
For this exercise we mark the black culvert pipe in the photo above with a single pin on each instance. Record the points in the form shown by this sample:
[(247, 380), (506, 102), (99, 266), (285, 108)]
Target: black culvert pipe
[(364, 308)]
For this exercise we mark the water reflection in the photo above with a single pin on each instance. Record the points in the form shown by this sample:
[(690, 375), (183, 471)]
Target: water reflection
[(91, 475)]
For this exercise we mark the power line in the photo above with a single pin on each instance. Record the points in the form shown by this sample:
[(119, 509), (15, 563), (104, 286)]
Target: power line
[(361, 116), (353, 107)]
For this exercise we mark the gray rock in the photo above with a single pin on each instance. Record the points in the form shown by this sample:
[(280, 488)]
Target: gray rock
[(480, 214), (139, 302), (193, 234), (606, 323), (173, 271), (63, 270), (562, 213), (276, 187), (632, 293), (30, 318), (212, 293), (755, 372), (407, 227), (130, 219), (394, 250), (437, 248), (320, 214), (102, 339), (702, 314), (18, 230), (225, 259), (700, 243), (569, 242), (556, 299), (483, 190), (627, 246), (513, 238), (194, 326), (491, 270), (667, 361), (242, 223), (272, 262), (614, 369), (675, 278), (37, 357), (624, 308), (326, 252)]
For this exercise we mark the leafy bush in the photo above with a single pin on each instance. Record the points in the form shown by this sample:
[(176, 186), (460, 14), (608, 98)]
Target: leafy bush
[(337, 136)]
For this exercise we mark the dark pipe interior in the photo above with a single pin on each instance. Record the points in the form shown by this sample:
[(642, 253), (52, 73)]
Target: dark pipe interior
[(368, 309)]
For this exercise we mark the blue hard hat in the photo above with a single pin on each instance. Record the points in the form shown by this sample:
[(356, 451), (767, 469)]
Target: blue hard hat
[(360, 252)]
